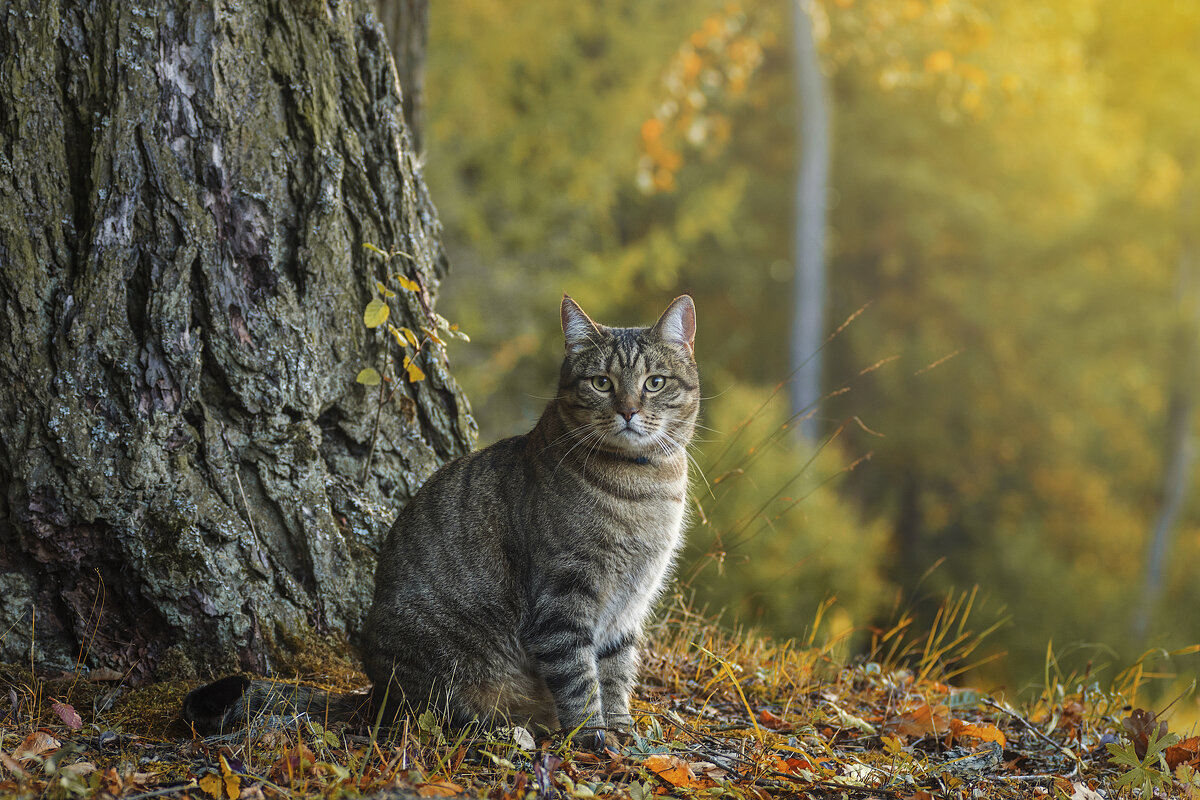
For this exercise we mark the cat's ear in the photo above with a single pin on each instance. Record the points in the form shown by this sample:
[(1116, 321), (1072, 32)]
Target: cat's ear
[(578, 328), (678, 322)]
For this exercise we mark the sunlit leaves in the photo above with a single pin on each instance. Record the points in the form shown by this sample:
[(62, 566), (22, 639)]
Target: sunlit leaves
[(710, 69)]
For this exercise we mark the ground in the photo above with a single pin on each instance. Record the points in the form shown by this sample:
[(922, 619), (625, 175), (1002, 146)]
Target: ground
[(719, 714)]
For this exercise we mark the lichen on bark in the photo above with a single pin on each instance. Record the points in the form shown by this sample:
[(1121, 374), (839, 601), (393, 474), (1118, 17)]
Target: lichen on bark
[(185, 189)]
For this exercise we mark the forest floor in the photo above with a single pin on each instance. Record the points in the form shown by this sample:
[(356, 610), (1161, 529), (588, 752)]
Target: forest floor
[(718, 715)]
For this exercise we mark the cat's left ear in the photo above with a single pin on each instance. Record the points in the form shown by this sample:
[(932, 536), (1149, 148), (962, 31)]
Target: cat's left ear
[(678, 322), (578, 328)]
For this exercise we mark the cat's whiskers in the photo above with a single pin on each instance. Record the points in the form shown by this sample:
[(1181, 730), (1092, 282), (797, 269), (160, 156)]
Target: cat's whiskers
[(597, 434)]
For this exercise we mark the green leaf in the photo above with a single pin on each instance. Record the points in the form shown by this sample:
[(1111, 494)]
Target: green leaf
[(428, 722), (374, 249), (376, 313), (368, 377)]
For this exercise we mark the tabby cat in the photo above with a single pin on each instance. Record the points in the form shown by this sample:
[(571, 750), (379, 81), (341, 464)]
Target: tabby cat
[(516, 584)]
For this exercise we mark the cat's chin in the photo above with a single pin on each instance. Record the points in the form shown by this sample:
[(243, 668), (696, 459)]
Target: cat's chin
[(634, 444)]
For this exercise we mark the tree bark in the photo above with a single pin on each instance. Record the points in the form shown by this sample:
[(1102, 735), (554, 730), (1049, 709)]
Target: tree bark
[(808, 301), (185, 189)]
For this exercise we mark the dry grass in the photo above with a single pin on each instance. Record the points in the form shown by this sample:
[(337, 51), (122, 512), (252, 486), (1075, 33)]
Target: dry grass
[(720, 714)]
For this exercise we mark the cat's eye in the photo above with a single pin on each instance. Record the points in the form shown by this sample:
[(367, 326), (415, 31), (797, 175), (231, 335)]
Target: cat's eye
[(654, 383), (602, 383)]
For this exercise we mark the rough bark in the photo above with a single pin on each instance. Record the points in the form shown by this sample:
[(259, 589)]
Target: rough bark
[(812, 178), (407, 26), (185, 188)]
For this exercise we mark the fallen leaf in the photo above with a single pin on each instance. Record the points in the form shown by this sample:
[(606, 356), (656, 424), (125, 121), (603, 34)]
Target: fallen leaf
[(67, 714), (80, 768), (1139, 725), (296, 761), (36, 744), (1186, 752), (211, 784), (984, 733), (10, 764), (105, 675), (773, 722), (1081, 791), (922, 721), (522, 738), (672, 769), (439, 789)]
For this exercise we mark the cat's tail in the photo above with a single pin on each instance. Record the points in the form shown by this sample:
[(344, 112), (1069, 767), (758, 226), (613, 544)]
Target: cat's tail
[(229, 703)]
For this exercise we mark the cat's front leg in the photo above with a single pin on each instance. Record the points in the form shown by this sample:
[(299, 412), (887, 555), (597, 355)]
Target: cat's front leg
[(618, 662), (560, 638)]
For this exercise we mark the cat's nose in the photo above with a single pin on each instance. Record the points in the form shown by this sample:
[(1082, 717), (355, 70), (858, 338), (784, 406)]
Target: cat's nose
[(628, 412)]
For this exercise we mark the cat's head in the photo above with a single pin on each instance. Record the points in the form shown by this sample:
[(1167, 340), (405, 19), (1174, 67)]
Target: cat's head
[(635, 391)]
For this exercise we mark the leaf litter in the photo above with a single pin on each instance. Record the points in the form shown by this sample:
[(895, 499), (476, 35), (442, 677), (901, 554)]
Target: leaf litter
[(718, 715)]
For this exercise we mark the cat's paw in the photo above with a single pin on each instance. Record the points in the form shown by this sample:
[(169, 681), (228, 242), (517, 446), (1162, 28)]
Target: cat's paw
[(594, 739)]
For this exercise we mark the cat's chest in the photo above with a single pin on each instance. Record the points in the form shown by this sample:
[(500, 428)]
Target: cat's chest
[(641, 554)]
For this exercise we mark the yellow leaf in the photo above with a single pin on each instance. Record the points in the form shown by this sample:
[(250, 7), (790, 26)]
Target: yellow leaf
[(407, 283), (415, 375), (431, 335), (368, 377), (210, 784), (412, 338), (374, 249), (672, 769), (395, 332), (383, 290), (376, 313)]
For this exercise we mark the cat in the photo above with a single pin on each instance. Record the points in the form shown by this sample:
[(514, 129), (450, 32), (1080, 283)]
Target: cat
[(516, 584)]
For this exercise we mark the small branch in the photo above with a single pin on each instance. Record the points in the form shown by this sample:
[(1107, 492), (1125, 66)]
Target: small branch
[(1033, 729), (378, 412)]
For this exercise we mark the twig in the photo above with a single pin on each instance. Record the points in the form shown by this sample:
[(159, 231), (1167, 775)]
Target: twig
[(1033, 729), (387, 356), (179, 787)]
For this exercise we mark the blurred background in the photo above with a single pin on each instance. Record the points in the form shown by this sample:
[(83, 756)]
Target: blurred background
[(969, 361)]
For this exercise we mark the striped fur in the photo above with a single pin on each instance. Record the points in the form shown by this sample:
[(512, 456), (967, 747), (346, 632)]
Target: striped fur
[(517, 582)]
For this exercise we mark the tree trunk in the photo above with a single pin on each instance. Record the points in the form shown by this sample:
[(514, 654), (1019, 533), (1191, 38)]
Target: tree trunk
[(185, 190), (808, 302), (1179, 449), (407, 26)]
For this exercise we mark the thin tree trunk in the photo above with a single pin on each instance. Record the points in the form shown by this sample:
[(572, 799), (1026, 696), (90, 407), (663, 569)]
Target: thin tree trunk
[(407, 26), (808, 302), (1180, 438), (185, 189)]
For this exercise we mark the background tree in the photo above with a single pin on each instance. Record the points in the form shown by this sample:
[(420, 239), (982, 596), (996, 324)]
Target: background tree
[(185, 192)]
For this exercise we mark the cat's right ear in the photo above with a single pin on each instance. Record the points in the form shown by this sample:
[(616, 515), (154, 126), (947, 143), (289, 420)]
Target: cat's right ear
[(578, 328)]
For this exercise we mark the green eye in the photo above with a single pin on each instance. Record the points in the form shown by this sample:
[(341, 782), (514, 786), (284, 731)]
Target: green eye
[(655, 383), (601, 383)]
